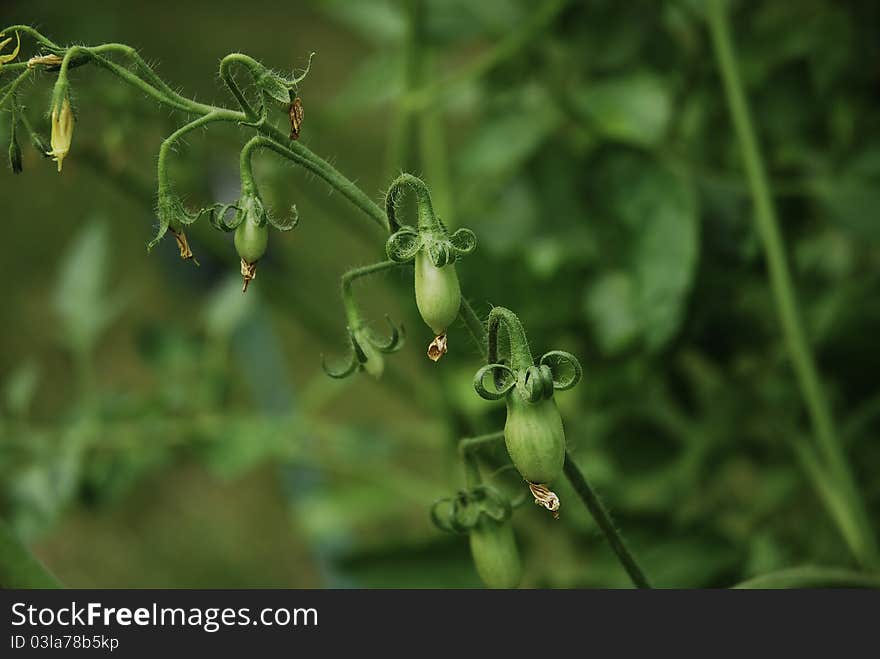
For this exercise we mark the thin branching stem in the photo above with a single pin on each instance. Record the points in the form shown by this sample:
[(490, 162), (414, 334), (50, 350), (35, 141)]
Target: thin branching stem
[(357, 273)]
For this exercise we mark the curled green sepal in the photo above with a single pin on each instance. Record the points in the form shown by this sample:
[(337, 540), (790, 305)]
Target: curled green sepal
[(464, 241), (558, 361), (462, 512), (171, 211), (429, 234), (403, 245), (285, 224), (227, 217), (503, 380), (535, 383), (555, 370), (365, 344), (395, 340), (219, 214), (274, 84)]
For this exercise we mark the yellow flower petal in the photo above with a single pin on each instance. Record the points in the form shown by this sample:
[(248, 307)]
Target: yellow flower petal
[(62, 132)]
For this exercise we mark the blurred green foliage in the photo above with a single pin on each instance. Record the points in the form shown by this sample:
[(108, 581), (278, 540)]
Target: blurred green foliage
[(159, 429)]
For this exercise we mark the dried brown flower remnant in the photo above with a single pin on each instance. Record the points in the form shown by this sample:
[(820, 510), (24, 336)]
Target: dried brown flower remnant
[(183, 245), (437, 348), (296, 118), (248, 274), (544, 497)]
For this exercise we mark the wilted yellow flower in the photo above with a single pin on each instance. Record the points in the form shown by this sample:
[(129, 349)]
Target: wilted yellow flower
[(62, 131), (47, 60), (11, 56)]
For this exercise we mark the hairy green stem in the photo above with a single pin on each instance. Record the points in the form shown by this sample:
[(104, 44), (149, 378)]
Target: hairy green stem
[(228, 78), (603, 521), (475, 327), (520, 353), (354, 274), (468, 445), (146, 70), (11, 88), (170, 142), (426, 216), (299, 154), (857, 530)]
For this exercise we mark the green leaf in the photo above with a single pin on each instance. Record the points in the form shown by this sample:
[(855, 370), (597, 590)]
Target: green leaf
[(633, 108), (657, 209), (226, 308), (80, 298), (852, 197), (379, 21), (373, 82), (611, 307), (20, 388), (272, 84), (503, 145), (505, 142), (662, 208)]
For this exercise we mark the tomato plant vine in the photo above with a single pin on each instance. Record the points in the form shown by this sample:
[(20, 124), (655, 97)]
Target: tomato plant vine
[(533, 433)]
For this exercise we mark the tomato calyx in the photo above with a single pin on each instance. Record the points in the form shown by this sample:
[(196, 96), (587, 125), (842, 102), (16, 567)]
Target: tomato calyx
[(367, 350), (462, 512)]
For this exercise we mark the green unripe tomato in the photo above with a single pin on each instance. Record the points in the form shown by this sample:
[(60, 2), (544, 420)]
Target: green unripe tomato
[(251, 240), (496, 558), (535, 438), (438, 295), (375, 364)]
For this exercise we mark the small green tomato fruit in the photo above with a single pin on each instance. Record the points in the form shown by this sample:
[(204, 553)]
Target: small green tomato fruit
[(251, 240), (375, 362), (496, 558), (535, 438), (438, 295)]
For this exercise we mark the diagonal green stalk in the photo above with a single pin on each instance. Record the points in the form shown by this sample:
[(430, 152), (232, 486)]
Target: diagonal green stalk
[(603, 520), (852, 520), (399, 142), (18, 567), (812, 576)]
